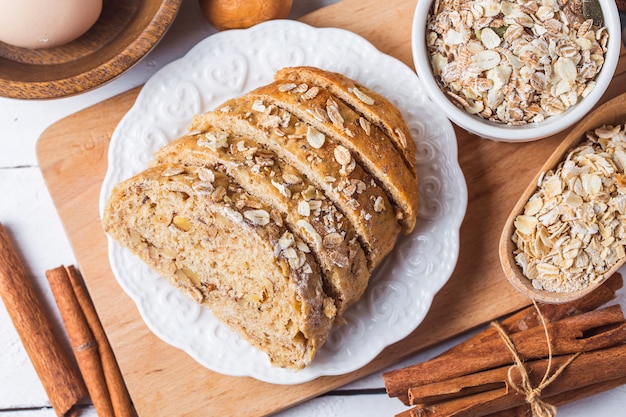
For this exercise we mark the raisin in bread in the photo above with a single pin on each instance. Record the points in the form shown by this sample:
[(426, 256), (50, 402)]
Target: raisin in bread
[(224, 248)]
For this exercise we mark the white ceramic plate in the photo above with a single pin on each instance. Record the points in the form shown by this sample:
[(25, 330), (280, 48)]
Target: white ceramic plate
[(227, 65)]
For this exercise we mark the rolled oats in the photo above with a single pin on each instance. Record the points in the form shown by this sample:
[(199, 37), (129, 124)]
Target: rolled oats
[(332, 109), (258, 106), (304, 209), (362, 96), (214, 140), (258, 217), (287, 87), (286, 240), (310, 230), (172, 171), (514, 62), (315, 138), (379, 204), (311, 93), (291, 178), (332, 240), (365, 125), (573, 228), (342, 155)]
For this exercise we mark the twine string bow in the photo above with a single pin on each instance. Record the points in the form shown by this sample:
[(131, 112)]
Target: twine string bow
[(532, 395)]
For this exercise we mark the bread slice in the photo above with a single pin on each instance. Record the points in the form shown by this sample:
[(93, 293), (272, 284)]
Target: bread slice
[(221, 246), (375, 108), (307, 211), (354, 192), (366, 143)]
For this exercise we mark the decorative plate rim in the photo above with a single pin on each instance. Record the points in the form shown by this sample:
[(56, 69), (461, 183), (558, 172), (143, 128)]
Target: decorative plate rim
[(438, 226)]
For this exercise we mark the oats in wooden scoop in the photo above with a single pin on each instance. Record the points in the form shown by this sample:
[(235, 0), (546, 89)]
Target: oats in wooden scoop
[(573, 228)]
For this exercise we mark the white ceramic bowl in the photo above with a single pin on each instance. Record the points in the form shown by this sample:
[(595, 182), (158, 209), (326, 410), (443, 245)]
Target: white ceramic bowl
[(507, 133)]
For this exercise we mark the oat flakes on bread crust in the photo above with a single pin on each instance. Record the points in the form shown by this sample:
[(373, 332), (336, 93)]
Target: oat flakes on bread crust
[(368, 145), (375, 108), (307, 211), (218, 244), (353, 191)]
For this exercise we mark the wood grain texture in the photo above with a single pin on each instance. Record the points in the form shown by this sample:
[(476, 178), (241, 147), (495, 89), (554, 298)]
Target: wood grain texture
[(123, 34), (165, 381)]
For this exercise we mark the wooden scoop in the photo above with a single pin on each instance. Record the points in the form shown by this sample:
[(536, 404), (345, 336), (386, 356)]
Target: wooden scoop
[(612, 112)]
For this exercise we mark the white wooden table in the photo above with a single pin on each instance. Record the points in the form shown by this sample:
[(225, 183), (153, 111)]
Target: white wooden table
[(28, 214)]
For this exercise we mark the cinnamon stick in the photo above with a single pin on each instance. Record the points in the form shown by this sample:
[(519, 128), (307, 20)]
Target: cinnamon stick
[(529, 317), (453, 406), (58, 374), (568, 335), (114, 381), (82, 341), (459, 405), (94, 353), (600, 366), (564, 397)]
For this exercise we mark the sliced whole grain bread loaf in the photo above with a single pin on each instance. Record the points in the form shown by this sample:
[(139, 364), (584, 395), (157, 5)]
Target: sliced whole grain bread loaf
[(276, 207)]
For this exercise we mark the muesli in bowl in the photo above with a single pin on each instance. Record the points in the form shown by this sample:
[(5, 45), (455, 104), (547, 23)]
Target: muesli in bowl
[(515, 71)]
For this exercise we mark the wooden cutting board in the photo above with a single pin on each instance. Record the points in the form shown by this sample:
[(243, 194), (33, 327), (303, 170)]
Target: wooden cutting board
[(164, 381)]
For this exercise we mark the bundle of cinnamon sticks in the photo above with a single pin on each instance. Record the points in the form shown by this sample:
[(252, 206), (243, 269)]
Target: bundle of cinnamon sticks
[(565, 352)]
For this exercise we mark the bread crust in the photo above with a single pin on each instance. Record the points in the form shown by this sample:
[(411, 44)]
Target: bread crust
[(372, 148), (374, 107)]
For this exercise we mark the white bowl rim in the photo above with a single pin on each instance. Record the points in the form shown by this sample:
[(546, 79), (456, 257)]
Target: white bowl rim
[(531, 131)]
